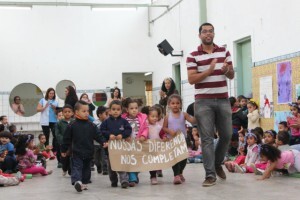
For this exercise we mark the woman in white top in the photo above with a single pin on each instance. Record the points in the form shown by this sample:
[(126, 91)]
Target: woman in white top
[(47, 107)]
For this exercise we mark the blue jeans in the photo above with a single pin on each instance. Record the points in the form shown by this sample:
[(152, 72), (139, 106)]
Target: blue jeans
[(213, 115), (81, 170)]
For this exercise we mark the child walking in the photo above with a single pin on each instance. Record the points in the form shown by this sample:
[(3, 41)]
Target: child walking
[(174, 122), (137, 121), (277, 160), (154, 132), (81, 134), (100, 159), (26, 157), (116, 128), (60, 129)]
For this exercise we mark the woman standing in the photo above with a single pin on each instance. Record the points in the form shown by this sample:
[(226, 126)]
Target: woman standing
[(47, 108), (167, 89), (115, 95), (71, 96)]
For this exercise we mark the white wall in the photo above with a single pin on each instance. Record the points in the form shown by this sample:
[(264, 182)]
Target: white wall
[(47, 44), (272, 24)]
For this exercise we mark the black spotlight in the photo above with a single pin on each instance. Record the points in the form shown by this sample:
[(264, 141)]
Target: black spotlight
[(165, 48)]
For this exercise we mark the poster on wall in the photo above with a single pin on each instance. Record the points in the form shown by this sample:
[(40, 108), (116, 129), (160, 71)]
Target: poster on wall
[(280, 116), (284, 82), (266, 104), (297, 90)]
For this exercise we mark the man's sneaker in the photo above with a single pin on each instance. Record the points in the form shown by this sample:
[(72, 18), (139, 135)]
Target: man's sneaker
[(220, 173), (124, 185), (209, 181), (64, 173), (182, 178), (177, 180), (114, 184), (255, 170), (78, 186), (239, 169), (154, 181)]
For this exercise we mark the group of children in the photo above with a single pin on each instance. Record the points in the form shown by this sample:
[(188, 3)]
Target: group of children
[(258, 152), (264, 152), (20, 156), (122, 120)]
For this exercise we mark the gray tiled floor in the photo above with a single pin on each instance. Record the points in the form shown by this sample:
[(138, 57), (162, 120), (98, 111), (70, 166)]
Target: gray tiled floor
[(237, 186)]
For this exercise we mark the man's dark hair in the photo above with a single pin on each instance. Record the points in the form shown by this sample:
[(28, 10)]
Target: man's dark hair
[(79, 104), (205, 24)]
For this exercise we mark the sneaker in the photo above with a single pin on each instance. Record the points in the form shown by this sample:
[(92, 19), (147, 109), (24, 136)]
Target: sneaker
[(99, 171), (154, 181), (105, 173), (92, 168), (182, 178), (131, 184), (177, 180), (49, 172), (78, 186), (238, 169), (209, 181), (220, 173), (255, 170), (114, 184), (64, 173), (124, 185), (59, 165)]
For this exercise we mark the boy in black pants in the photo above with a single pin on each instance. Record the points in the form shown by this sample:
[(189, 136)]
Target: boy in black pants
[(80, 134), (116, 128)]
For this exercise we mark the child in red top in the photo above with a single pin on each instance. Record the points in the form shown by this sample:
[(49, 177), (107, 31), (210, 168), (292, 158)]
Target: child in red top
[(294, 123)]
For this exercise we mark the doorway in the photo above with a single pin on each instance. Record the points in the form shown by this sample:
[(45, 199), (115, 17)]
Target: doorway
[(244, 67), (177, 76)]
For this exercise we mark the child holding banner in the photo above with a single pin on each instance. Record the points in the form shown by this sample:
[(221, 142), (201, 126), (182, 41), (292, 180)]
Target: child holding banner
[(154, 132), (175, 122), (116, 128), (139, 126)]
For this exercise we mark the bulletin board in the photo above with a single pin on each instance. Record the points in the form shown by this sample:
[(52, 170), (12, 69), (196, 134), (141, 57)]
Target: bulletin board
[(270, 70)]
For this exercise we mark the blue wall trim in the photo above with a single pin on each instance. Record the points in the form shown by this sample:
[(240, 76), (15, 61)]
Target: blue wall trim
[(276, 59)]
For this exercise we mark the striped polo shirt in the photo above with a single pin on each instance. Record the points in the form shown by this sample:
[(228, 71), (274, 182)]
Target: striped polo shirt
[(214, 85)]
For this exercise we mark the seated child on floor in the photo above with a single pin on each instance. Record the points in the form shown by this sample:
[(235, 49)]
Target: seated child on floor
[(242, 151), (7, 157), (26, 157), (45, 151), (253, 140)]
